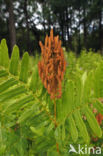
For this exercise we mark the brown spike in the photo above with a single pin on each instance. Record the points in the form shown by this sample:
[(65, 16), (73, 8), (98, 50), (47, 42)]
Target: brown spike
[(40, 43), (46, 40), (51, 34), (49, 43), (52, 65), (56, 39)]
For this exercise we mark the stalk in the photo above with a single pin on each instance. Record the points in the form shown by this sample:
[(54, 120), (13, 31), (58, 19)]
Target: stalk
[(57, 145)]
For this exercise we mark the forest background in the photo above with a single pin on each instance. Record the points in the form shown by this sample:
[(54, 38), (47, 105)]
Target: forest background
[(78, 23)]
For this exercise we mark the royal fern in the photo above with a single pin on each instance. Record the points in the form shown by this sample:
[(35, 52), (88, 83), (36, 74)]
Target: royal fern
[(27, 123)]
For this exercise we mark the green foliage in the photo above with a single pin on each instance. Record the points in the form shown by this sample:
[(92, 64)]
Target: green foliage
[(27, 123), (4, 57), (14, 61)]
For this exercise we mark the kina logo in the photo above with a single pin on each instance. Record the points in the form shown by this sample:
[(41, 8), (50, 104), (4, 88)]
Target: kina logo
[(85, 150)]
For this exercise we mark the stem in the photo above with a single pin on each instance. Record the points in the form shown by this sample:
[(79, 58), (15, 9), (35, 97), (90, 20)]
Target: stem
[(55, 113), (57, 145)]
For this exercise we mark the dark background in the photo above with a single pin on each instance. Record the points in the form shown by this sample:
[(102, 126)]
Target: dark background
[(78, 22)]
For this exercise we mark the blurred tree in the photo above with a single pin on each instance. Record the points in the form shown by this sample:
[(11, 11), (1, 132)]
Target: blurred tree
[(12, 32), (27, 24), (100, 13), (79, 23)]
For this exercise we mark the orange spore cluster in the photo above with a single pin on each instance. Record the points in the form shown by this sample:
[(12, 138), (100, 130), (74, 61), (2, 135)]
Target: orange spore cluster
[(52, 65)]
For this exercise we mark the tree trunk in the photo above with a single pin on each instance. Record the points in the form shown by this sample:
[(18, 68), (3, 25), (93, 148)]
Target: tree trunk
[(85, 27), (67, 27), (79, 40), (100, 29), (27, 25), (62, 28), (37, 37), (12, 32), (43, 7)]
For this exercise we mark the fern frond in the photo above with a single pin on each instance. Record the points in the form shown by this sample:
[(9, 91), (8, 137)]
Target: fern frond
[(73, 128), (27, 110), (75, 103), (93, 122)]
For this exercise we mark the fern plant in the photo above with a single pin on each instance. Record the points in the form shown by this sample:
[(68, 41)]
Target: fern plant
[(27, 122)]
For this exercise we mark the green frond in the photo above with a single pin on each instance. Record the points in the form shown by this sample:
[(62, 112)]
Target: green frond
[(27, 112), (4, 57), (14, 61), (73, 128), (34, 80), (81, 126), (98, 105), (7, 84), (68, 99), (98, 81), (93, 122), (24, 68)]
